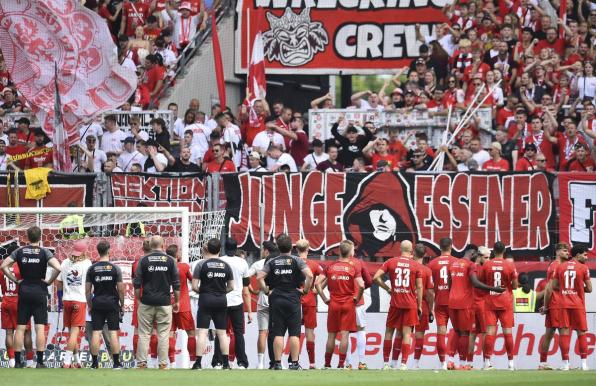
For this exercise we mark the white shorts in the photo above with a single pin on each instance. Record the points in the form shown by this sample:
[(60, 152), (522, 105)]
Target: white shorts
[(361, 316), (263, 319)]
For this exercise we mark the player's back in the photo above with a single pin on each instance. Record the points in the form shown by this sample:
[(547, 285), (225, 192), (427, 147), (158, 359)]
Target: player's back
[(439, 267), (310, 299), (480, 294), (365, 277), (571, 276), (10, 289), (403, 273), (427, 281), (461, 294), (499, 273), (341, 277), (555, 297), (185, 276)]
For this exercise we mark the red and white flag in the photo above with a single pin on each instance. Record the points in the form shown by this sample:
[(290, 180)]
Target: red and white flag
[(256, 83), (36, 35)]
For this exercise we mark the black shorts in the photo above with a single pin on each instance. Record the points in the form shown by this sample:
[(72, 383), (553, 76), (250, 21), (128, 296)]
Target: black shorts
[(284, 315), (34, 304), (211, 309), (99, 317)]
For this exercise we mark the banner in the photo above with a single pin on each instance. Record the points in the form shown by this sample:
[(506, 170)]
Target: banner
[(376, 211), (159, 190), (527, 335), (577, 207), (38, 36), (123, 119), (336, 37), (66, 189)]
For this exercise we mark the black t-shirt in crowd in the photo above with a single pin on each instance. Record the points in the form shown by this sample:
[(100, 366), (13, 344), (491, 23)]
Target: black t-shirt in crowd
[(157, 275), (284, 276), (33, 263), (179, 167), (350, 151), (214, 275), (104, 277)]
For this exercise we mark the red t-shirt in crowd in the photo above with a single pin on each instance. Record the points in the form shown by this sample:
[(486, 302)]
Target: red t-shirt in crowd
[(341, 277), (439, 266), (574, 165), (136, 14), (39, 161), (299, 148), (461, 293), (390, 158), (571, 276), (523, 164), (558, 46), (503, 115), (250, 132), (499, 272), (153, 76), (226, 167), (403, 273), (310, 299), (491, 165)]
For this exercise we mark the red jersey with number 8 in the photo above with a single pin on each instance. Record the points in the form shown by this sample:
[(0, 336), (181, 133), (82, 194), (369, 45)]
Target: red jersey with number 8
[(440, 269), (571, 276), (403, 273), (499, 273)]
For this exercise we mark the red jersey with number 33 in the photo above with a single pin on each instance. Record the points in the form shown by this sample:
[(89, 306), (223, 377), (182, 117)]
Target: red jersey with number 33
[(403, 273), (461, 295), (341, 277), (571, 276), (499, 272), (440, 269)]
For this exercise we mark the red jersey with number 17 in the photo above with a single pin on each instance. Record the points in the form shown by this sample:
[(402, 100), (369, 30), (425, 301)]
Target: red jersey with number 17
[(440, 269), (571, 276), (341, 277), (403, 273), (499, 272), (310, 299), (185, 276), (461, 295)]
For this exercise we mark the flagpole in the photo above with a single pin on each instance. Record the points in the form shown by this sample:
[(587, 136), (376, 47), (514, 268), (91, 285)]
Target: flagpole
[(247, 48)]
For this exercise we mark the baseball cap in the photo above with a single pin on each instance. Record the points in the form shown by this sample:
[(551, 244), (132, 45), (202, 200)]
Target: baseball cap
[(254, 154), (129, 140), (185, 5), (317, 143), (420, 61), (79, 247), (530, 146), (397, 90)]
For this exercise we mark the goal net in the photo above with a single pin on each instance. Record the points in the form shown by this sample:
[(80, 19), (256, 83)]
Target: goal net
[(124, 228)]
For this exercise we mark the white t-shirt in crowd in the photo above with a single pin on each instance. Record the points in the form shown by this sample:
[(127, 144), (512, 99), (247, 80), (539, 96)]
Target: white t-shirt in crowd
[(200, 134), (264, 138), (286, 159), (313, 160), (161, 159), (90, 129), (233, 135), (126, 160), (255, 268), (99, 157), (3, 161), (239, 268), (481, 157), (112, 142), (73, 276)]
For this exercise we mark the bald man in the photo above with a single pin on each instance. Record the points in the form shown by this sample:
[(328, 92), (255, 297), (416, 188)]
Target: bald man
[(406, 304), (155, 278)]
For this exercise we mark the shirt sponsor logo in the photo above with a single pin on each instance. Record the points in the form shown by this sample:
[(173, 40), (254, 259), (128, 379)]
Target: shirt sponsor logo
[(30, 260), (283, 272), (216, 274)]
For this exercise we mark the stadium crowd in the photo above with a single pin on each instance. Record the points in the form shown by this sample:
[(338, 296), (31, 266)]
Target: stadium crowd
[(538, 67)]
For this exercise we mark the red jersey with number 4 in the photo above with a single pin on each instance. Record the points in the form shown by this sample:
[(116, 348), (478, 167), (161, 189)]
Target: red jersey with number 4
[(310, 299), (462, 290), (555, 297), (499, 272), (341, 277), (10, 289), (440, 269), (185, 276), (403, 273), (571, 276)]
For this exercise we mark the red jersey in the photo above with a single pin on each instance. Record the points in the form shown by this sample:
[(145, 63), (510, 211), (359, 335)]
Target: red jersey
[(575, 165), (555, 301), (566, 148), (185, 277), (153, 76), (480, 294), (439, 266), (365, 277), (225, 167), (41, 160), (571, 276), (10, 289), (403, 273), (503, 116), (390, 158), (491, 165), (136, 13), (310, 299), (250, 132), (341, 277), (499, 273), (462, 290), (427, 283)]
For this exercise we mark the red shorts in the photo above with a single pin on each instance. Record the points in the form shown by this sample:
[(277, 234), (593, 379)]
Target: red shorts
[(9, 313), (182, 321), (505, 317), (553, 318), (341, 317), (479, 319), (309, 316), (575, 318), (462, 319), (400, 317), (74, 314), (423, 322), (441, 315)]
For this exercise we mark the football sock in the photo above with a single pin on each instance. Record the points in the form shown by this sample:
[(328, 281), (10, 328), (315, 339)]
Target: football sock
[(386, 350), (583, 346), (17, 357), (39, 356), (489, 345), (342, 360), (153, 346), (67, 357), (405, 352), (11, 353), (396, 348), (328, 356), (116, 360), (564, 341), (191, 346), (172, 349), (462, 347), (418, 348), (441, 347), (361, 345), (509, 346), (310, 349), (94, 362)]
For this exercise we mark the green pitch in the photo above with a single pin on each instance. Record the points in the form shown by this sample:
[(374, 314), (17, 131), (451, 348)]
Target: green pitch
[(63, 377)]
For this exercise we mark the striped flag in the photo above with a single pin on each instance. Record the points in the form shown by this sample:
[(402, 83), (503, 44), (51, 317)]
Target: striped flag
[(61, 161)]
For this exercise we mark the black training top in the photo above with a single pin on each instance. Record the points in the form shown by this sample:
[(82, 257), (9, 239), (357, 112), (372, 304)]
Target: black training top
[(105, 276), (157, 274)]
